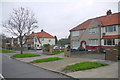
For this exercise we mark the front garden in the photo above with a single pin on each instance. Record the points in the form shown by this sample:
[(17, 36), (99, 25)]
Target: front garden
[(24, 55), (57, 52), (6, 51), (46, 60), (83, 66)]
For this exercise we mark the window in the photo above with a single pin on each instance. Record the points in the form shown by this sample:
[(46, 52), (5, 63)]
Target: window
[(75, 33), (35, 39), (75, 44), (93, 30), (93, 42), (35, 45), (110, 29), (109, 41)]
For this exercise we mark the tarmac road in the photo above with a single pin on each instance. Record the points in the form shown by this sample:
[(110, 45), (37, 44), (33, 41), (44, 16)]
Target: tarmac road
[(12, 68)]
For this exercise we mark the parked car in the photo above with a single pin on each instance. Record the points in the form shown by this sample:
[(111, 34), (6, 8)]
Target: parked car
[(78, 49), (81, 49)]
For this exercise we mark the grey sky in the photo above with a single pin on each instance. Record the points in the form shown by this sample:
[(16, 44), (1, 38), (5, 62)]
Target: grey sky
[(57, 18)]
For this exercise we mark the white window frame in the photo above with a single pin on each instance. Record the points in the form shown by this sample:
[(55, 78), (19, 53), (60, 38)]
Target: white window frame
[(110, 29), (93, 30), (106, 43), (75, 33), (75, 44), (93, 42)]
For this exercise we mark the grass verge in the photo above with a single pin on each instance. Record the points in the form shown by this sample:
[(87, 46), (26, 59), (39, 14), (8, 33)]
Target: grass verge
[(6, 51), (24, 55), (83, 66), (57, 52), (46, 60)]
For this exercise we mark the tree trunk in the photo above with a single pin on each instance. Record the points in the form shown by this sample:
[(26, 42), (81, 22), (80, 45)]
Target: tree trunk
[(21, 45)]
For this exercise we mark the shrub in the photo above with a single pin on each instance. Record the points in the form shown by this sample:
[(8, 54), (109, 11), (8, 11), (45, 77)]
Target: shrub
[(46, 47)]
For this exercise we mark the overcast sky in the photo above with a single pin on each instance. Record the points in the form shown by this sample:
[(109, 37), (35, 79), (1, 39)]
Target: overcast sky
[(58, 17)]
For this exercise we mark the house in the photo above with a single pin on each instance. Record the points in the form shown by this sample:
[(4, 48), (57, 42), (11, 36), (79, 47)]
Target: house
[(9, 43), (97, 32), (37, 40)]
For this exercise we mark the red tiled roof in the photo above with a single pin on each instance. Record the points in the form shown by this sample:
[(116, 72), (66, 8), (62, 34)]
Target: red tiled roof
[(111, 37), (40, 35), (29, 43), (104, 20)]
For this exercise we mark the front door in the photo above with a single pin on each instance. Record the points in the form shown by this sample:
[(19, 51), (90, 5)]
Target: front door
[(83, 44)]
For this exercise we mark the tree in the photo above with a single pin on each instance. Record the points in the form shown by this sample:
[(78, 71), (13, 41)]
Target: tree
[(56, 41), (20, 24)]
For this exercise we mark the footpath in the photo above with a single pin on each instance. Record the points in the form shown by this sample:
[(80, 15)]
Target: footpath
[(110, 71)]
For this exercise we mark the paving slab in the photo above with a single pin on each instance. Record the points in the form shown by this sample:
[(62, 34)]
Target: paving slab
[(110, 71), (60, 64)]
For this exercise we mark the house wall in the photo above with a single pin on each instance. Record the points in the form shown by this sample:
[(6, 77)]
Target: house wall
[(84, 35), (50, 41), (37, 44)]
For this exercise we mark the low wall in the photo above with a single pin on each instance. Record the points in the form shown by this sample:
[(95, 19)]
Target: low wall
[(111, 54)]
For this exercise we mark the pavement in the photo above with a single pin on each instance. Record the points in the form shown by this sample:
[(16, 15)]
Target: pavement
[(110, 71)]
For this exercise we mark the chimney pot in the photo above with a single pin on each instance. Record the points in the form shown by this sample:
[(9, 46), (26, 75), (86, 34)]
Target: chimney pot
[(109, 12), (42, 30)]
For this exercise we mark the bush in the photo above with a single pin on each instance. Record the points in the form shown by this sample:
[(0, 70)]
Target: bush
[(46, 47)]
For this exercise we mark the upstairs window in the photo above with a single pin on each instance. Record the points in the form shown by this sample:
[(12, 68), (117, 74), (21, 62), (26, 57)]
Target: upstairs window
[(75, 33), (35, 39), (110, 29), (93, 30)]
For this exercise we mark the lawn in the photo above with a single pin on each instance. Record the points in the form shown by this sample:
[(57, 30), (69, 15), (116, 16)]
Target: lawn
[(6, 51), (57, 52), (24, 55), (46, 60), (83, 66)]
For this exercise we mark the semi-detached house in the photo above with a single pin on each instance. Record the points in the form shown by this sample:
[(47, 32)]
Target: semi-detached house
[(37, 40), (96, 32)]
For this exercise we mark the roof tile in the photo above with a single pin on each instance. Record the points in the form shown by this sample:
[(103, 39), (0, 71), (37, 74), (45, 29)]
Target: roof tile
[(104, 20)]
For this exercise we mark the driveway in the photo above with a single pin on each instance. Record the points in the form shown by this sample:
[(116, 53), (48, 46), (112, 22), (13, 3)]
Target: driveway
[(16, 69)]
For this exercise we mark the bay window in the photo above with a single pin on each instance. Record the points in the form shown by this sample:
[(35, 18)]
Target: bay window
[(109, 41), (110, 29)]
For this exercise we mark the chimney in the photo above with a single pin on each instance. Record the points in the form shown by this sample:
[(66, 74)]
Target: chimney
[(42, 30), (109, 12)]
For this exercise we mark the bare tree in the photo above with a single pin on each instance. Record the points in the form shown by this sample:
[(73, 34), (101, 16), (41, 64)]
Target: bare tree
[(21, 23)]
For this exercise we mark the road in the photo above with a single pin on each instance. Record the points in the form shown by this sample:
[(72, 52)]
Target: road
[(16, 69)]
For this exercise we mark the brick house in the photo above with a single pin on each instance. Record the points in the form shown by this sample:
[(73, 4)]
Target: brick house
[(97, 32), (37, 40)]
